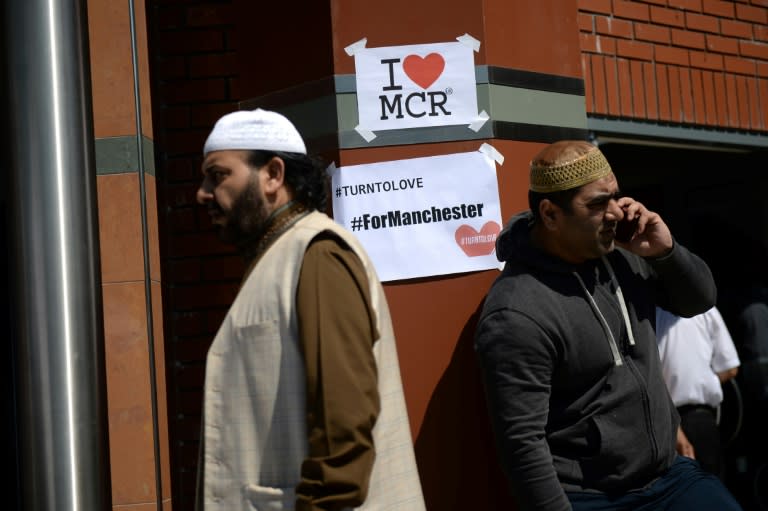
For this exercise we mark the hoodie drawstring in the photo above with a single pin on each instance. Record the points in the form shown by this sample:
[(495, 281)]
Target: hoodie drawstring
[(620, 297)]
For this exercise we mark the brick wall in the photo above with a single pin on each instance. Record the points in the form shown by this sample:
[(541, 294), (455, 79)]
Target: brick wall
[(194, 81), (688, 62)]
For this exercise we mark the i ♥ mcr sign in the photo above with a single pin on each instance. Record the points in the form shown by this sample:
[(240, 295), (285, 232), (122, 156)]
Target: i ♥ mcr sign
[(416, 86)]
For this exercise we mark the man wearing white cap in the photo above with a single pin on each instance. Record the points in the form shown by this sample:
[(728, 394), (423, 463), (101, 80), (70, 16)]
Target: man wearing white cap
[(303, 404), (567, 346)]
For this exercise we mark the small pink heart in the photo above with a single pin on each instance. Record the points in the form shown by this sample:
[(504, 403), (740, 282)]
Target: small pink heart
[(475, 243)]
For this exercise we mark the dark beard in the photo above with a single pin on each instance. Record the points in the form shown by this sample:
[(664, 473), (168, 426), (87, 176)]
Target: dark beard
[(246, 220)]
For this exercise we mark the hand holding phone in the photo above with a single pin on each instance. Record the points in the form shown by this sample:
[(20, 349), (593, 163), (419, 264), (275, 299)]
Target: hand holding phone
[(625, 229)]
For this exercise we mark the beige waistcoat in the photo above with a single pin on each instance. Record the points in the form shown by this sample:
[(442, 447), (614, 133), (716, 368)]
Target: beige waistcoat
[(254, 427)]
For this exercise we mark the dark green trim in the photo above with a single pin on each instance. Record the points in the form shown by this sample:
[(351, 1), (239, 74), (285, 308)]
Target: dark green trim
[(535, 81), (119, 155), (617, 129)]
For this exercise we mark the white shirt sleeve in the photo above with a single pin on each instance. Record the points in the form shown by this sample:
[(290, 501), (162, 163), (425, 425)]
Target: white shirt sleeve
[(724, 355)]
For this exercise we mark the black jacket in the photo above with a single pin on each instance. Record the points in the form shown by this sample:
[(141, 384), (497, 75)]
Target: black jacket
[(568, 412)]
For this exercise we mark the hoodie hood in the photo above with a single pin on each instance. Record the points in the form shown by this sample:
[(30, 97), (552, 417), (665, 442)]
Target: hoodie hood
[(514, 245)]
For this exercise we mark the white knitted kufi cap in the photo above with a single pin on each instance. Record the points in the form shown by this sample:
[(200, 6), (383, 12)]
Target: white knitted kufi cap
[(260, 130)]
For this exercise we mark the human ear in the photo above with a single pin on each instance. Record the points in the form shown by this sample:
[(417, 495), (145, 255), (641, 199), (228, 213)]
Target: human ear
[(548, 212), (275, 169)]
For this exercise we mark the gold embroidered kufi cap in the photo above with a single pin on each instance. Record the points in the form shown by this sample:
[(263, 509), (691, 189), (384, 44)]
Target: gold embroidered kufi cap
[(567, 164)]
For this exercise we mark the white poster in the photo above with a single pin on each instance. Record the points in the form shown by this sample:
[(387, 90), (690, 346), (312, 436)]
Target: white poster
[(416, 86), (423, 216)]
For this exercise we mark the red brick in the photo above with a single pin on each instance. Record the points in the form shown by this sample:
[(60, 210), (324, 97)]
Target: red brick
[(688, 5), (191, 41), (600, 105), (743, 92), (205, 116), (191, 91), (613, 26), (762, 69), (699, 109), (762, 86), (169, 17), (186, 324), (612, 86), (630, 10), (752, 13), (588, 42), (718, 8), (754, 104), (687, 39), (761, 32), (212, 64), (634, 50), (720, 99), (174, 117), (638, 90), (733, 102), (585, 22), (704, 60), (182, 220), (170, 67), (589, 89), (669, 55), (657, 2), (719, 44), (226, 267), (710, 107), (606, 45), (702, 22), (666, 16), (735, 29), (625, 87), (600, 6), (755, 50), (180, 170), (663, 93), (185, 141), (197, 244), (740, 65), (676, 110), (686, 94), (654, 33), (209, 15), (651, 92), (202, 296), (183, 270)]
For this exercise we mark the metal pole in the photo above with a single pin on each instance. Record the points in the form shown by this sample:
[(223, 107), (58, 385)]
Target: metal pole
[(57, 316)]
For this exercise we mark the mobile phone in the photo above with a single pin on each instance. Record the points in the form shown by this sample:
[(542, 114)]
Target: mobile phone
[(625, 229)]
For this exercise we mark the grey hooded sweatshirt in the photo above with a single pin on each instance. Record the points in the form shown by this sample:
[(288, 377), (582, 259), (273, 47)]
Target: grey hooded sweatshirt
[(576, 402)]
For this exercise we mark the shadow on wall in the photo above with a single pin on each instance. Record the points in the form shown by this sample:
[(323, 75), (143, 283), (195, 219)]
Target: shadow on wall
[(455, 449)]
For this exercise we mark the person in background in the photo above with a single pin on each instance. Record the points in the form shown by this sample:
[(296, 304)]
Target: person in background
[(697, 356), (303, 406), (566, 345)]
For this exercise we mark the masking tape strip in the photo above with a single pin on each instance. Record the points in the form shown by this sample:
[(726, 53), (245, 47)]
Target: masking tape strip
[(491, 152), (368, 135), (482, 118), (469, 41), (355, 47)]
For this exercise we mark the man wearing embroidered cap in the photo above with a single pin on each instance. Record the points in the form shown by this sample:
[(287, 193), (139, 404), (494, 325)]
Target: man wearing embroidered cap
[(568, 352), (303, 406)]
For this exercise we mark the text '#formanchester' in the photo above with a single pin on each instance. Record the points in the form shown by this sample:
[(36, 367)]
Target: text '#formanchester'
[(379, 187), (398, 218)]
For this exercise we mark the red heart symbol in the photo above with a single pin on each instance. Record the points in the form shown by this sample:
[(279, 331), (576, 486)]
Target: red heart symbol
[(475, 243), (424, 71)]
